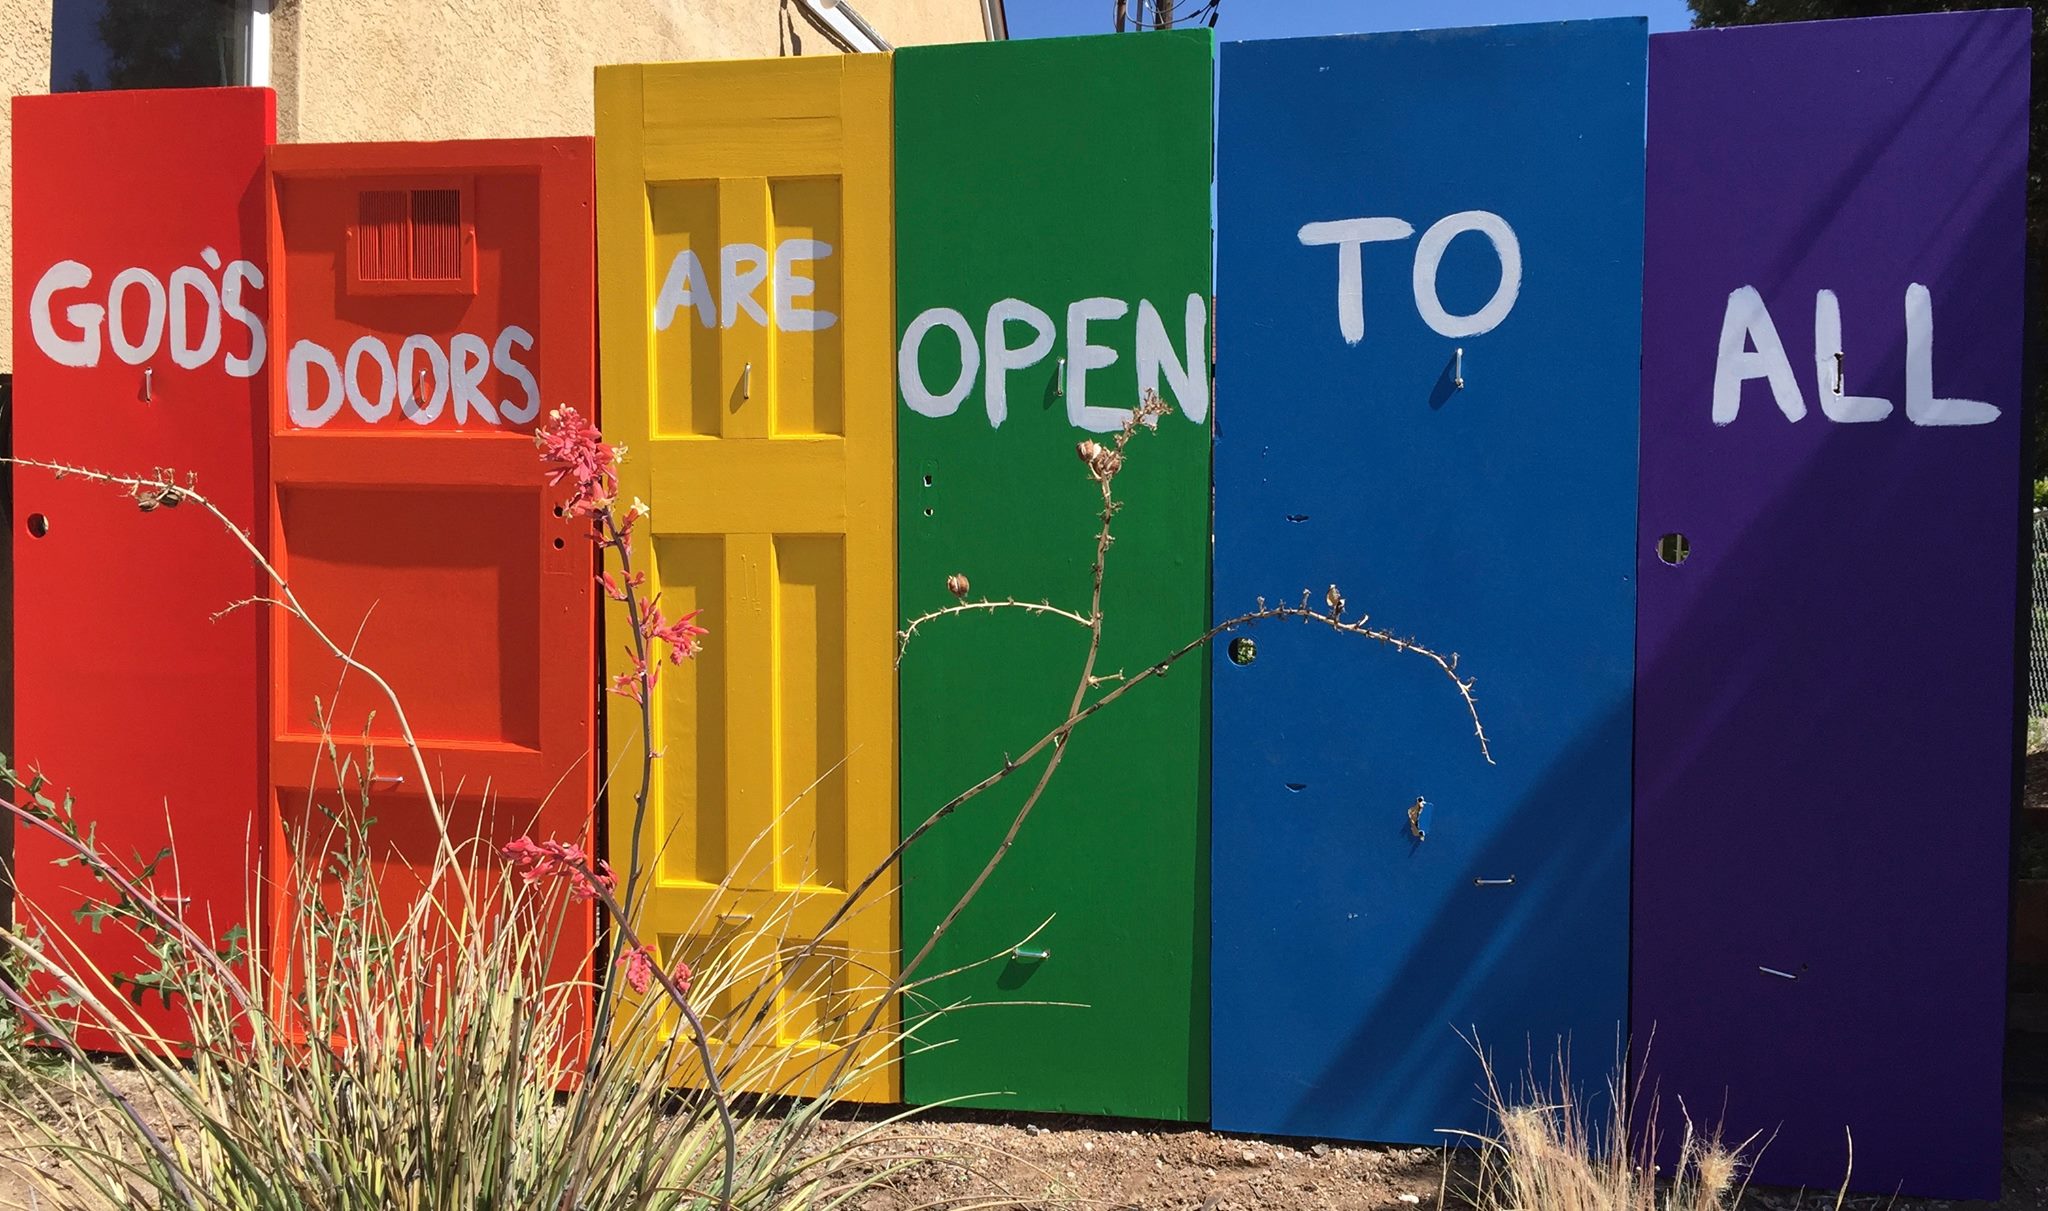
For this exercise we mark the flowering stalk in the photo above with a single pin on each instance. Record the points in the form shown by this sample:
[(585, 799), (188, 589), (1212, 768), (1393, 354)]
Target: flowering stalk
[(575, 453)]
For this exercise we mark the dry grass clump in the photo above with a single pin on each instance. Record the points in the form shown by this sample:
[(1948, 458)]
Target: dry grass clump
[(1551, 1151)]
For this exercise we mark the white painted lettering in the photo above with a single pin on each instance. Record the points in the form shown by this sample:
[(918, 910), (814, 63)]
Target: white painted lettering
[(77, 351), (469, 359), (736, 285), (791, 286), (1003, 358), (1350, 235), (186, 280), (512, 368), (135, 352), (1429, 256), (298, 388), (1084, 355), (685, 286), (1746, 323), (1830, 367), (416, 382), (1922, 406), (915, 394), (387, 379), (1188, 379)]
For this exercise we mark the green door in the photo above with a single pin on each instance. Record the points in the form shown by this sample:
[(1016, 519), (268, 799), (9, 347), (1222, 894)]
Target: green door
[(1053, 235)]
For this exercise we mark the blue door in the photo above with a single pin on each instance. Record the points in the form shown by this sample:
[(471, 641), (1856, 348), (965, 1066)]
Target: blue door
[(1429, 287)]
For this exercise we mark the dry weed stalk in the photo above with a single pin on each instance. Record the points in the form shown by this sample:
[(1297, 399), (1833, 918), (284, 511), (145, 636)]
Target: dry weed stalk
[(1549, 1153)]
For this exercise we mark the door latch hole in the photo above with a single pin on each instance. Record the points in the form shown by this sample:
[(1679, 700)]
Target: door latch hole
[(38, 524), (1243, 650), (1674, 549)]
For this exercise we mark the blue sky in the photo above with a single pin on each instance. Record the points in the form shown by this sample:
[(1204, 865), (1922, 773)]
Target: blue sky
[(1300, 18)]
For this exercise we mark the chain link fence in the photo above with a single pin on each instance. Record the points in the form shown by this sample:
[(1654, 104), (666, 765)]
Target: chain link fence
[(2037, 630)]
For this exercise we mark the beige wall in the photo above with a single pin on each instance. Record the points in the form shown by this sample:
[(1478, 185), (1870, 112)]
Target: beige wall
[(24, 68), (466, 69)]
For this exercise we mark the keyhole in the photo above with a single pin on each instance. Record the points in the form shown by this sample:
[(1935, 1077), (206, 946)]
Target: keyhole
[(1243, 650), (1674, 549), (38, 525), (559, 544)]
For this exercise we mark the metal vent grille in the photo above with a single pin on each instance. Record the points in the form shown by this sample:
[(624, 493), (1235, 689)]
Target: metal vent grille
[(409, 235), (380, 236), (436, 235)]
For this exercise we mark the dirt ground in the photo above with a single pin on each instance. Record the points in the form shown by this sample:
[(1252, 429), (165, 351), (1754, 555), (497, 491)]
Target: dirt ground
[(1046, 1162)]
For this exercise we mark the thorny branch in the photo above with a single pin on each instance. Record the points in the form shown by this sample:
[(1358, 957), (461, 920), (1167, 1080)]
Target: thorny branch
[(909, 631), (1103, 464)]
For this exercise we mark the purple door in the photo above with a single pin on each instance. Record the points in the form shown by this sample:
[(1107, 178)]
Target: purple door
[(1831, 448)]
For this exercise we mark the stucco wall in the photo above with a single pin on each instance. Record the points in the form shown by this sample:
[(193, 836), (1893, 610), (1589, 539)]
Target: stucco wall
[(451, 69), (24, 68)]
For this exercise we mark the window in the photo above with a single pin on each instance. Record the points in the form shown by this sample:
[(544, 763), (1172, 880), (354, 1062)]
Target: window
[(99, 44), (416, 240)]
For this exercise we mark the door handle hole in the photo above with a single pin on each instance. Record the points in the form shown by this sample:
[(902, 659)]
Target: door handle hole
[(1243, 650), (1674, 549), (38, 525)]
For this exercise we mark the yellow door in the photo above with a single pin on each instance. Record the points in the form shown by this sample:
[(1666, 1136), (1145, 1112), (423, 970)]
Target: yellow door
[(746, 289)]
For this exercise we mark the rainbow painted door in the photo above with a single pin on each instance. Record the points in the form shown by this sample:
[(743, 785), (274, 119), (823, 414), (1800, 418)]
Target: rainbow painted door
[(745, 266), (429, 304), (1432, 247), (139, 343), (1052, 270), (1832, 426)]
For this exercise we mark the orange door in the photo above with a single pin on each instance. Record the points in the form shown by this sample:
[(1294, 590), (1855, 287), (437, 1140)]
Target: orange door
[(430, 304)]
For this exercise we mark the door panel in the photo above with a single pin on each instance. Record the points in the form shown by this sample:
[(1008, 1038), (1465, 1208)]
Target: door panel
[(1064, 208), (746, 247), (431, 302), (1825, 708), (138, 700), (1437, 418)]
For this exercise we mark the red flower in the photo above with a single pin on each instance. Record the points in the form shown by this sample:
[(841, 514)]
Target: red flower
[(526, 858), (617, 589), (575, 452), (680, 635), (681, 975), (534, 861), (639, 965), (635, 683)]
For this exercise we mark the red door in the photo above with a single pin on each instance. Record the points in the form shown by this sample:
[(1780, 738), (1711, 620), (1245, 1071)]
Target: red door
[(138, 343), (431, 304)]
